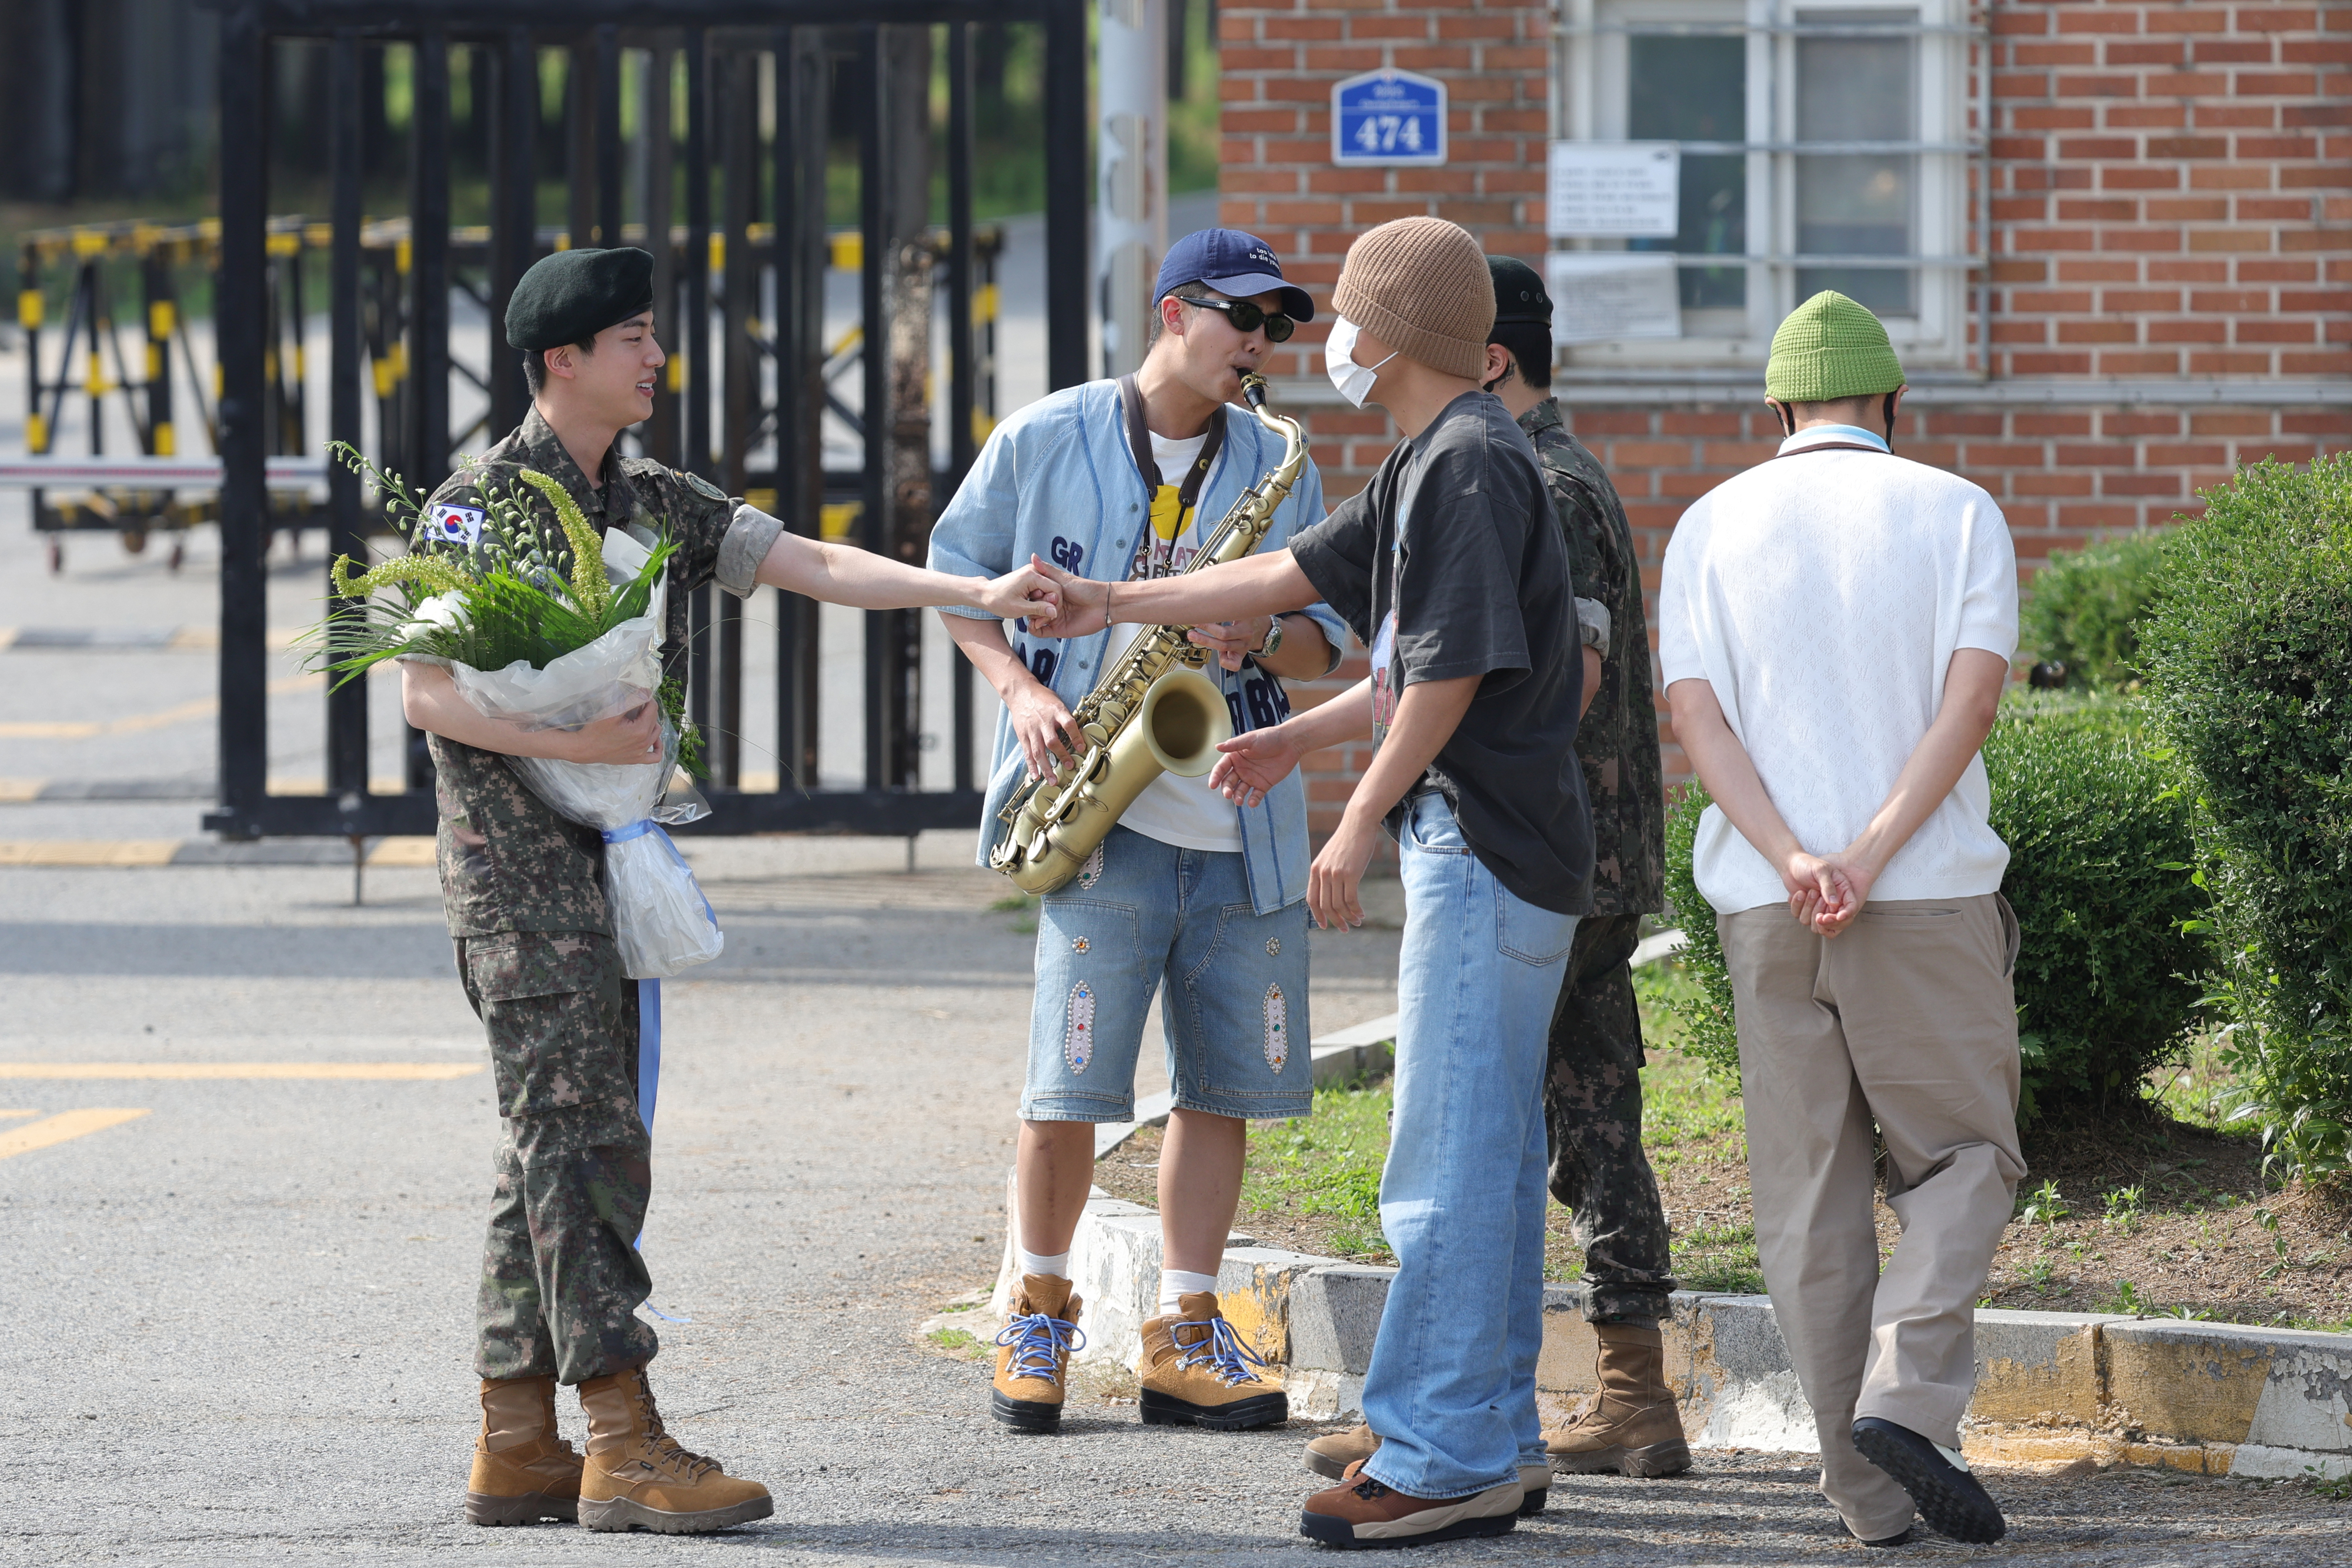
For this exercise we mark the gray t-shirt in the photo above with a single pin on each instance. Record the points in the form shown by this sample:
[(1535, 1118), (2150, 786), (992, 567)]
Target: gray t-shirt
[(1448, 564)]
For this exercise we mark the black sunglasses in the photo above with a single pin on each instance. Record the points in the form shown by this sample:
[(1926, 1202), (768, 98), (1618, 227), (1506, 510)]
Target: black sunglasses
[(1247, 317)]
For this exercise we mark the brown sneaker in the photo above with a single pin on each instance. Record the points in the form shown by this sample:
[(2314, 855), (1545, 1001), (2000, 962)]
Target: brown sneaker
[(637, 1477), (1196, 1372), (1331, 1454), (522, 1471), (1034, 1353), (1360, 1512), (1631, 1424)]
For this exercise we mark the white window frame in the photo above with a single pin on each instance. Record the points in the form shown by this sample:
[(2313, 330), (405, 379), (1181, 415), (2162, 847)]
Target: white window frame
[(1591, 66)]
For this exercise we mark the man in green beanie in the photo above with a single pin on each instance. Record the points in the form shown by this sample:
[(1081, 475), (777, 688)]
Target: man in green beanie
[(562, 1278), (1592, 1085), (1835, 627)]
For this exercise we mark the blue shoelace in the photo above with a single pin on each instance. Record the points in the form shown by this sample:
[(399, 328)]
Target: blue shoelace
[(1220, 1348), (1038, 1340)]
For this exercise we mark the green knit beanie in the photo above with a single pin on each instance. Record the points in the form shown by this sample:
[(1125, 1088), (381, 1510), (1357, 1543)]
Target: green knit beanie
[(1830, 347)]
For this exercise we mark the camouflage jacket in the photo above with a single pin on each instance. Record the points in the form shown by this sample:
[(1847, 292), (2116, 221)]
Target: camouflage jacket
[(1618, 740), (507, 861)]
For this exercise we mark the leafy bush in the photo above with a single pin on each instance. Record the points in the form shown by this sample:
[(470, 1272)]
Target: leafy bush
[(2250, 656), (2084, 609), (2099, 873), (2109, 969)]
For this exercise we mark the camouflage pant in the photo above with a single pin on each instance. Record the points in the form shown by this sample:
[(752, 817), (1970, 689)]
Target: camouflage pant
[(560, 1275), (1592, 1114)]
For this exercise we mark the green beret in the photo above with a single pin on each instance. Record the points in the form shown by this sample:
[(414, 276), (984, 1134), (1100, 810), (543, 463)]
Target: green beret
[(572, 296), (1518, 292), (1830, 347)]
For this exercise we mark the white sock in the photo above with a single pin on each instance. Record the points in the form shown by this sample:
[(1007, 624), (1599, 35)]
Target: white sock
[(1054, 1263), (1177, 1283), (1952, 1456)]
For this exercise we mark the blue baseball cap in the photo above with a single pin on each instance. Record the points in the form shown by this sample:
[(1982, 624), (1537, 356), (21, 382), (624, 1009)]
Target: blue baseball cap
[(1233, 263)]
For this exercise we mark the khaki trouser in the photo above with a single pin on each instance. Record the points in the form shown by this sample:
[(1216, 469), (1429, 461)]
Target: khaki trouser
[(1907, 1020)]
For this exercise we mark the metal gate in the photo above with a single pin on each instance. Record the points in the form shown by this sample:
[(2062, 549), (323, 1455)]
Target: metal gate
[(396, 319)]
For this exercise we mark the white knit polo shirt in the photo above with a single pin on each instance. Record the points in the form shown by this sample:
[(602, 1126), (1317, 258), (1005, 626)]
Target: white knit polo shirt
[(1823, 595)]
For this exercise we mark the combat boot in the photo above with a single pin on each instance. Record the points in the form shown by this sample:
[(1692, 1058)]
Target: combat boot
[(523, 1472), (1631, 1424), (1196, 1372), (1033, 1354), (637, 1477), (1334, 1452)]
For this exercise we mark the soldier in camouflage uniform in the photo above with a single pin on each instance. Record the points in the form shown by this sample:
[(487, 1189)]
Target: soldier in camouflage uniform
[(561, 1277), (1592, 1090)]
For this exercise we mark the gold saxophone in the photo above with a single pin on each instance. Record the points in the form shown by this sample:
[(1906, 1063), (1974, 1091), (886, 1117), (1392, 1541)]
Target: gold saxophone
[(1152, 712)]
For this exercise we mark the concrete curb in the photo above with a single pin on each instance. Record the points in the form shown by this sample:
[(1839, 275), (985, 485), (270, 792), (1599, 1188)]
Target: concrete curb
[(2052, 1388)]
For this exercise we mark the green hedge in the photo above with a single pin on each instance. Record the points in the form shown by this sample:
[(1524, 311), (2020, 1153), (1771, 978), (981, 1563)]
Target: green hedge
[(2085, 608), (2249, 657), (2099, 849)]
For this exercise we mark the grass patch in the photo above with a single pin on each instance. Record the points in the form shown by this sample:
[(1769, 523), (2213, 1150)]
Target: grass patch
[(1022, 904), (2163, 1212), (957, 1341)]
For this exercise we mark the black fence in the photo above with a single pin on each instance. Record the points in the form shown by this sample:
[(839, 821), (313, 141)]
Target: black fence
[(767, 237)]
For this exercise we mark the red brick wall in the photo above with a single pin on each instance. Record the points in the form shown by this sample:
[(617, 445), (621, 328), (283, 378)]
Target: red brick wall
[(2172, 202), (2172, 190)]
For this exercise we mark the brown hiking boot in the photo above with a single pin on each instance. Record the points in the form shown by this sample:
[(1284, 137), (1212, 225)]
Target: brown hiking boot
[(637, 1477), (1631, 1424), (1034, 1353), (1196, 1372), (1334, 1452), (1331, 1454), (522, 1471), (1360, 1512)]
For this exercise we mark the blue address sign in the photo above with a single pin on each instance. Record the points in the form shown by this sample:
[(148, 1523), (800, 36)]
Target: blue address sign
[(1388, 117)]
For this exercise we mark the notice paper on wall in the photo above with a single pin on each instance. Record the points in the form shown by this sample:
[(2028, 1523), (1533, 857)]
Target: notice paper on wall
[(1599, 296), (1613, 190)]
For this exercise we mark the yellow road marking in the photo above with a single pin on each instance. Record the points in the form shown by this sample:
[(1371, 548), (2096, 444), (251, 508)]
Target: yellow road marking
[(138, 722), (19, 1113), (87, 851), (409, 851), (371, 1070), (14, 790), (61, 1128)]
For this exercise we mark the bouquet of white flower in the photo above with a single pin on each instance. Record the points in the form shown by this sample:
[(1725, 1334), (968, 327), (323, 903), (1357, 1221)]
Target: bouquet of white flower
[(549, 643)]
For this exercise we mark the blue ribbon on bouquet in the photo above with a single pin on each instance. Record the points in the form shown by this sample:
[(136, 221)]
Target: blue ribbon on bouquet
[(649, 1002)]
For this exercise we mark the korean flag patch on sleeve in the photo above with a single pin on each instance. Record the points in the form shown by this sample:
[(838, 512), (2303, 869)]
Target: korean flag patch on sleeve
[(455, 525)]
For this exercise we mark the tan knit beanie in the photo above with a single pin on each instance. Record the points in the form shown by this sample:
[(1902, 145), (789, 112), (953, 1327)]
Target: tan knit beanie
[(1421, 285)]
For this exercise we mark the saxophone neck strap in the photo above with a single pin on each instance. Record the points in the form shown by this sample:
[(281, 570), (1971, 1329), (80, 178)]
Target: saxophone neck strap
[(1139, 440)]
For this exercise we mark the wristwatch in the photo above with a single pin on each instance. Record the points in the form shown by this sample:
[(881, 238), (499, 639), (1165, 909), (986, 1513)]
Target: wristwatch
[(1272, 644)]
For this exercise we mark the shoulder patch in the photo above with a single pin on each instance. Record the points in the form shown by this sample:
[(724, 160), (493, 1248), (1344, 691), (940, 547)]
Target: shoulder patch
[(701, 487)]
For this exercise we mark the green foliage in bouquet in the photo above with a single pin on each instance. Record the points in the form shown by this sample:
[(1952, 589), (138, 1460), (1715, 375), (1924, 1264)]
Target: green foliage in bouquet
[(512, 595), (516, 598), (2249, 657)]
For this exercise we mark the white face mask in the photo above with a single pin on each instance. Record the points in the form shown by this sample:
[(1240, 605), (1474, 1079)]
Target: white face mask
[(1354, 381)]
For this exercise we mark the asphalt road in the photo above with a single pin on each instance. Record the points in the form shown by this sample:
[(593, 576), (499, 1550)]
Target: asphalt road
[(242, 1318)]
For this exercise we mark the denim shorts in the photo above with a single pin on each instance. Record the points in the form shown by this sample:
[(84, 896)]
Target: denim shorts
[(1235, 1011)]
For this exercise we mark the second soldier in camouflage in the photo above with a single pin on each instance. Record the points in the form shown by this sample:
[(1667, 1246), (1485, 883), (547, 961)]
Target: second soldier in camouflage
[(1592, 1087)]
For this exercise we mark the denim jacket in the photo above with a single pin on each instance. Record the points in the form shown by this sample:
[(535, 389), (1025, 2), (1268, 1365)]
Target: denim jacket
[(1058, 479)]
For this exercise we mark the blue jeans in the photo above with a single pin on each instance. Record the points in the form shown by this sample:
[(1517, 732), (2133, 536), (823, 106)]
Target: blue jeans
[(1451, 1387)]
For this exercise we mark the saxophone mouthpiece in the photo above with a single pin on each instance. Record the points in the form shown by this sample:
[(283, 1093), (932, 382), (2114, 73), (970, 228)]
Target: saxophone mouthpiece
[(1254, 388)]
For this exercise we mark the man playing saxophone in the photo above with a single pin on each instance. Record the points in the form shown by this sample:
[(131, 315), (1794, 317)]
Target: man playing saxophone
[(1119, 480)]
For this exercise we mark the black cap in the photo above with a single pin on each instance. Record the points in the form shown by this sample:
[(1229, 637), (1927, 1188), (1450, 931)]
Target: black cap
[(1518, 292), (572, 296)]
